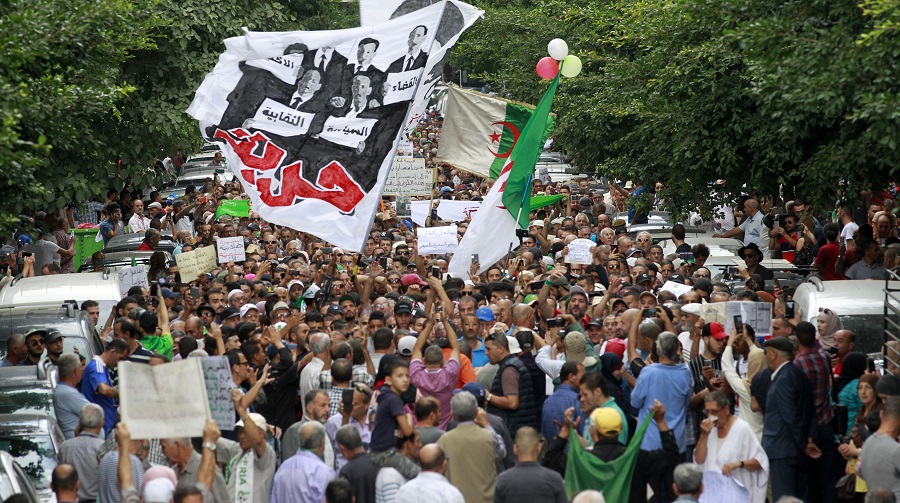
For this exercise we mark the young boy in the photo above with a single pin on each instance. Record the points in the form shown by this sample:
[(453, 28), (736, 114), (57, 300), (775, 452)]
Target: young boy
[(392, 421)]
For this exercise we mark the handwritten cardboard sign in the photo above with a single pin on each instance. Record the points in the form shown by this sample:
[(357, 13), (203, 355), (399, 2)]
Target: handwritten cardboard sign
[(287, 68), (231, 249), (217, 377), (580, 251), (347, 131), (280, 119), (401, 86), (437, 240), (165, 401), (131, 276), (194, 263), (409, 177)]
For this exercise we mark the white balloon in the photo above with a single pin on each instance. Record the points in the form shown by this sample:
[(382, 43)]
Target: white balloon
[(558, 49)]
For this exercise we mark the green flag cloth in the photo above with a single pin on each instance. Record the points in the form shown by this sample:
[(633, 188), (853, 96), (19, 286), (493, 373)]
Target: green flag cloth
[(541, 201), (233, 207), (524, 156), (586, 471)]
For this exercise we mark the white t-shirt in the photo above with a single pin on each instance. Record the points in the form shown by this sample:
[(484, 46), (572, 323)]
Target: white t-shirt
[(685, 339), (847, 232)]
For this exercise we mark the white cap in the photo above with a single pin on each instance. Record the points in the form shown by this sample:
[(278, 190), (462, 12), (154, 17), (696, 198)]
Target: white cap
[(405, 345), (158, 490), (514, 347), (257, 419), (693, 308), (246, 308), (234, 292)]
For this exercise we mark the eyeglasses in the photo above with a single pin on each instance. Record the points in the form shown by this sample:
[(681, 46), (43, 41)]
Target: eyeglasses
[(403, 253), (382, 305), (280, 316), (825, 310), (244, 363), (713, 412), (270, 242), (206, 314)]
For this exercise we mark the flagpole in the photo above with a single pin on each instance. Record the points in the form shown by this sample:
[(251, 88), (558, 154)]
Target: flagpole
[(520, 233)]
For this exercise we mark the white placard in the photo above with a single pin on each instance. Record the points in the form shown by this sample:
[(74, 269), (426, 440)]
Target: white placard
[(580, 252), (132, 276), (287, 68), (756, 314), (401, 86), (347, 131), (219, 383), (163, 401), (437, 240), (280, 119), (404, 149), (677, 288), (409, 177), (454, 211), (231, 249)]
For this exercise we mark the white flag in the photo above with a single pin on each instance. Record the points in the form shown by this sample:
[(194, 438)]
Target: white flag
[(489, 235), (314, 154)]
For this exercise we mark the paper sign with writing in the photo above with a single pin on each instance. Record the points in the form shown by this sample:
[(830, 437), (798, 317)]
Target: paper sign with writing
[(580, 252), (756, 314), (131, 276), (231, 249), (401, 86), (194, 263), (677, 288), (217, 376), (165, 401), (404, 149), (437, 240), (409, 177), (280, 119), (714, 312), (454, 211), (544, 175), (347, 131), (286, 68)]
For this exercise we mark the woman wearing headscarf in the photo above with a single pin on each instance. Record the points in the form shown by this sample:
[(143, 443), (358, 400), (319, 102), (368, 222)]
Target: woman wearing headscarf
[(756, 360), (871, 405), (612, 368), (844, 392), (827, 323)]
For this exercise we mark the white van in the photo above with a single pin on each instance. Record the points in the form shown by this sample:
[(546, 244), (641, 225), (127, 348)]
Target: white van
[(58, 288), (858, 303)]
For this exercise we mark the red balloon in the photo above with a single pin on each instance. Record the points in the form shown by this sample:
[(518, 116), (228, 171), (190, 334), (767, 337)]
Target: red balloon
[(547, 68)]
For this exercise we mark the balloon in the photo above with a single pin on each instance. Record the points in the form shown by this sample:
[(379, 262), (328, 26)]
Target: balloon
[(547, 68), (571, 66), (558, 49)]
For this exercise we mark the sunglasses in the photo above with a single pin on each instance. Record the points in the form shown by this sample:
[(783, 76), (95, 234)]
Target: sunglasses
[(825, 310), (270, 242), (393, 280)]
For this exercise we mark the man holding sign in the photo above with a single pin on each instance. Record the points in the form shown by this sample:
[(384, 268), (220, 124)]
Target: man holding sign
[(249, 462)]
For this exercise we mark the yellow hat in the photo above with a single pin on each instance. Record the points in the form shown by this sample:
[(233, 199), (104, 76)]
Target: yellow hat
[(607, 421)]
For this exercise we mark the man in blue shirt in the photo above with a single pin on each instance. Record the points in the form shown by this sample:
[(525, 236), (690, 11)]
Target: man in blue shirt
[(564, 397), (635, 215), (668, 382), (112, 226), (95, 385)]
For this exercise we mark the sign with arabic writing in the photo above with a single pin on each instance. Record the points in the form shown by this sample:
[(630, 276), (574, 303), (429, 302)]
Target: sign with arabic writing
[(409, 177), (436, 240), (309, 121), (231, 249)]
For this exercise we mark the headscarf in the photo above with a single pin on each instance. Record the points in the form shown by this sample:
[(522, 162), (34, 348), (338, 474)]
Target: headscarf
[(871, 380), (756, 361), (889, 385), (609, 362), (833, 324), (853, 367)]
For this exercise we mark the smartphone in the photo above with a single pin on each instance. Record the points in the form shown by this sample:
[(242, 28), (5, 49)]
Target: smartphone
[(327, 250), (475, 258), (154, 289), (26, 254), (789, 309), (347, 400), (382, 261), (555, 322), (739, 323), (733, 270), (195, 293), (295, 272), (649, 313), (436, 272), (204, 200), (574, 197), (872, 365), (833, 351)]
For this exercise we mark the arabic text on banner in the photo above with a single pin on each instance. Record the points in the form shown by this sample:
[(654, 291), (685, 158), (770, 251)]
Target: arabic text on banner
[(231, 249), (409, 177), (580, 252), (219, 383), (132, 276), (436, 240)]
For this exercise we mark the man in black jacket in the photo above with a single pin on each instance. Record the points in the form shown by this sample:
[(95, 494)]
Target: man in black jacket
[(605, 430)]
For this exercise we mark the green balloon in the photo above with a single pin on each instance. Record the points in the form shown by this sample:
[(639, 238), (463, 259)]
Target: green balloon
[(571, 66)]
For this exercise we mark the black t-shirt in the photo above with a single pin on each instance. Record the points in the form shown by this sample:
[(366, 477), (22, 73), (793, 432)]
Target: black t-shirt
[(389, 407)]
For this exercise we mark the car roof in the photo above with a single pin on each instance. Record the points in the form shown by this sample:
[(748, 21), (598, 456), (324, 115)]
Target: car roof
[(58, 288), (129, 242), (846, 298), (25, 421)]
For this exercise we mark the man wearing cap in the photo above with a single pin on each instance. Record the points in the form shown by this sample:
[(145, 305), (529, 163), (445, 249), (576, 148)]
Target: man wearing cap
[(53, 343), (249, 462), (34, 341), (789, 423), (706, 376), (403, 313), (96, 385), (250, 314), (752, 256), (230, 316), (691, 337)]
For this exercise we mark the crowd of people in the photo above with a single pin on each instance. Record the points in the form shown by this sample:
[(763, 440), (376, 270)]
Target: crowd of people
[(377, 377)]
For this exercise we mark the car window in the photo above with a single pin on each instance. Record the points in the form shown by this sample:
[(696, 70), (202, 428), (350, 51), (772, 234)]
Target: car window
[(35, 454), (869, 331), (32, 400), (6, 486), (21, 321)]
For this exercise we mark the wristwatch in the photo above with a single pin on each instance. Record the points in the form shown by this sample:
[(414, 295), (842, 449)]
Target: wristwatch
[(210, 445), (488, 398), (742, 464)]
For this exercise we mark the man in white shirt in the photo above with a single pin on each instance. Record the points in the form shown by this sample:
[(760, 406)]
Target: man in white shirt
[(752, 229), (319, 344), (138, 222), (430, 484)]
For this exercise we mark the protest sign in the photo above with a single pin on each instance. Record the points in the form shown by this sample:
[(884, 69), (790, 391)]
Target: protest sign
[(280, 119), (231, 250), (131, 276), (194, 263), (287, 67), (718, 488), (453, 211), (677, 288), (713, 313), (233, 207), (348, 131), (409, 177), (437, 240), (217, 376), (401, 86), (756, 314), (404, 149), (164, 401), (580, 252)]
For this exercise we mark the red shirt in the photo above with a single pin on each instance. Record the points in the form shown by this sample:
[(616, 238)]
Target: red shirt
[(827, 258), (144, 247)]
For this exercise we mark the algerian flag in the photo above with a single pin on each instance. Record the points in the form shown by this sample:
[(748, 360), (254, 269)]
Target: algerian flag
[(479, 132), (492, 233), (233, 207)]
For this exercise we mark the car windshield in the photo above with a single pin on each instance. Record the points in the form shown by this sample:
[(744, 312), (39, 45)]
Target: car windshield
[(34, 453), (869, 331), (34, 399), (21, 321)]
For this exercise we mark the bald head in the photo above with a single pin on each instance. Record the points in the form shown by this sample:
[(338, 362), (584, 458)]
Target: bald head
[(521, 314), (64, 480), (527, 444), (432, 458)]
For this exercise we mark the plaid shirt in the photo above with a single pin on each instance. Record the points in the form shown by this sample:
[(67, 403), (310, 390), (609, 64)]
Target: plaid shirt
[(816, 364), (359, 376)]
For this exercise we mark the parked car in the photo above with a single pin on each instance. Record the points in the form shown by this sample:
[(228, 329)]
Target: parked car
[(76, 328), (13, 480), (113, 261), (859, 304), (196, 179), (33, 441), (27, 390), (55, 290), (131, 242)]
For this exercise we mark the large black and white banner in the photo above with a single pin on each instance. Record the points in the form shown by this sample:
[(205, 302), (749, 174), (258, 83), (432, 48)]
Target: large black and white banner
[(309, 121)]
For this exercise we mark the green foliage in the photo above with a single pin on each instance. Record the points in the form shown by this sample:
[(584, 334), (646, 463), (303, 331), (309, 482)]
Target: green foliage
[(781, 96)]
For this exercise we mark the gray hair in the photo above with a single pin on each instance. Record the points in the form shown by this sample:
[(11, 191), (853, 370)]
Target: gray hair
[(589, 495), (649, 329), (718, 398), (176, 334), (880, 495), (464, 407), (318, 342), (312, 435), (349, 437), (15, 340), (67, 364), (184, 442), (688, 478), (433, 355), (91, 416), (667, 345)]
